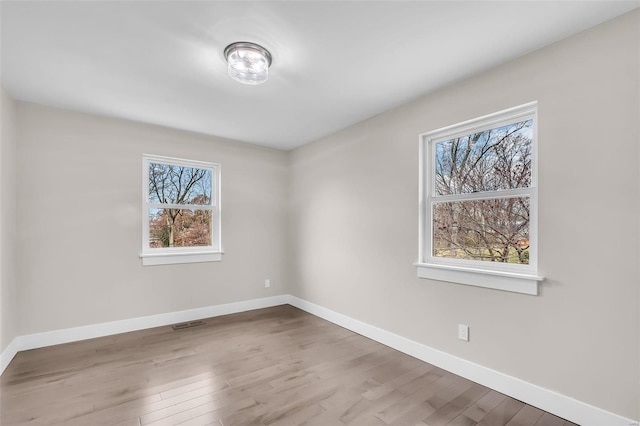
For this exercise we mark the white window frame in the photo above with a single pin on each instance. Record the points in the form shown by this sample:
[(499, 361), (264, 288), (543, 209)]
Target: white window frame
[(501, 276), (173, 255)]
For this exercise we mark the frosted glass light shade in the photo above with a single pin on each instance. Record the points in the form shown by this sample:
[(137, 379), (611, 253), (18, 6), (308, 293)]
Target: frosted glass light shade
[(248, 62)]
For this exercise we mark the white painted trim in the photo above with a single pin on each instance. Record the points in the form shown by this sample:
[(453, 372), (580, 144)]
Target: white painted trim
[(508, 277), (176, 255), (151, 259), (545, 399), (56, 337), (9, 352), (497, 280), (485, 122)]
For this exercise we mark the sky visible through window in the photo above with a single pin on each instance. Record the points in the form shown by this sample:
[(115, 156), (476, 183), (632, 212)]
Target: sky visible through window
[(494, 227), (180, 186), (170, 184)]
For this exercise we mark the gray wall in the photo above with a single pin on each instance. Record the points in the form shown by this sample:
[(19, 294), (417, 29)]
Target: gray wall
[(8, 285), (79, 230), (354, 214)]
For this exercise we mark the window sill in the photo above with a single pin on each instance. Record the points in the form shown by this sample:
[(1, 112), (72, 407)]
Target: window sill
[(498, 280), (184, 257)]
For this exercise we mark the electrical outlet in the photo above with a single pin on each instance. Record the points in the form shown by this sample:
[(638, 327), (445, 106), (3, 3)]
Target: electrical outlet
[(463, 332), (267, 283)]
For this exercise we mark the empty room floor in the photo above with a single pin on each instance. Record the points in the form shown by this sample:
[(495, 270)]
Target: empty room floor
[(274, 366)]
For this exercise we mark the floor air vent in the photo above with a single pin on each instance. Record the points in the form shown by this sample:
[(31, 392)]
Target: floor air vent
[(187, 325)]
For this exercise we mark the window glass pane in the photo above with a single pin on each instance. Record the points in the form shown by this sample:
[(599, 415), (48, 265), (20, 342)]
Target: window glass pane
[(490, 160), (179, 228), (494, 230), (169, 184)]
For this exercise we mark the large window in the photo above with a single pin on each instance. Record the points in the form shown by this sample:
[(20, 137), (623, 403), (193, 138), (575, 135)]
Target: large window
[(478, 207), (180, 211)]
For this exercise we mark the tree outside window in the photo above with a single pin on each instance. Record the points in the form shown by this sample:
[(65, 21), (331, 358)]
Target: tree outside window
[(181, 215), (478, 202), (179, 185), (494, 229)]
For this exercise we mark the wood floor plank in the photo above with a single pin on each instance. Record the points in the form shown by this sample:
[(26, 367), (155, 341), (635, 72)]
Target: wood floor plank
[(365, 411), (308, 396), (269, 367), (526, 416), (462, 420), (549, 420), (207, 413), (414, 415), (482, 407), (387, 387), (452, 409), (398, 409), (502, 414), (348, 394), (325, 419), (131, 422), (300, 417), (422, 381)]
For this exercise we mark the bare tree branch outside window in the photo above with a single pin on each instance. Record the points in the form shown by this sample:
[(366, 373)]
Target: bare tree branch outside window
[(494, 229), (179, 186)]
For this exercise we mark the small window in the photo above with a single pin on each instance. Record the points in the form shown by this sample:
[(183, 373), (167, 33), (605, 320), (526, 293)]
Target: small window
[(478, 207), (180, 211)]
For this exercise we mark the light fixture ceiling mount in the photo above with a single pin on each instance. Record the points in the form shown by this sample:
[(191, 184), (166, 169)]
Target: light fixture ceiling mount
[(248, 62)]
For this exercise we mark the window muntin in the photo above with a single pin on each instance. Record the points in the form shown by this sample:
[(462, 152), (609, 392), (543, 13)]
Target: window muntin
[(181, 215), (479, 199)]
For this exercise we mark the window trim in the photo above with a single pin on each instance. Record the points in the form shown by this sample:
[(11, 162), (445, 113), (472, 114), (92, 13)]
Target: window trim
[(509, 277), (176, 255)]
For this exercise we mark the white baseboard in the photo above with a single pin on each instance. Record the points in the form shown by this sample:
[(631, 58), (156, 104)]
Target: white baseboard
[(56, 337), (9, 352), (545, 399)]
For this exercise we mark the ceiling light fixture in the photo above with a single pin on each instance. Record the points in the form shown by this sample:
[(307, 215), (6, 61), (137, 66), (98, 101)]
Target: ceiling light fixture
[(248, 62)]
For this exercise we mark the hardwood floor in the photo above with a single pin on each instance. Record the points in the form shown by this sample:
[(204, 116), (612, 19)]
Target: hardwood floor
[(275, 366)]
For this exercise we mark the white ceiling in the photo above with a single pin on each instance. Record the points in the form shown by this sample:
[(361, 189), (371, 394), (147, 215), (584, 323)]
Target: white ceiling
[(334, 63)]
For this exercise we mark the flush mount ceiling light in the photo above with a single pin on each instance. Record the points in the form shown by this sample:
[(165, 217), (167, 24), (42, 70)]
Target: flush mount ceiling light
[(248, 62)]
